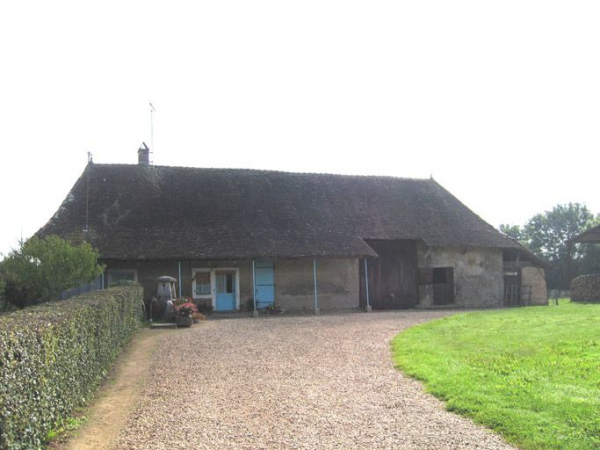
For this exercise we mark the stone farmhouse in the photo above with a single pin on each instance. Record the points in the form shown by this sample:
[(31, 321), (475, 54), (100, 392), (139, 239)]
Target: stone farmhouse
[(233, 237)]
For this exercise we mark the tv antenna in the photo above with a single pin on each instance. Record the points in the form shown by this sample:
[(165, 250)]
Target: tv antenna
[(152, 111)]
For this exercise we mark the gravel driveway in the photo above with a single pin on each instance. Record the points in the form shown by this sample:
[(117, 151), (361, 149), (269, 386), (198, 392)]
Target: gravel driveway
[(303, 382)]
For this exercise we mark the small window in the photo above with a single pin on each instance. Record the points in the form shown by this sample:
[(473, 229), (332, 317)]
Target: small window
[(229, 283), (202, 283), (115, 276), (225, 283), (440, 275)]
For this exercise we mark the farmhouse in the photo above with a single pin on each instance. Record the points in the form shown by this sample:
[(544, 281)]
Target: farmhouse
[(233, 237)]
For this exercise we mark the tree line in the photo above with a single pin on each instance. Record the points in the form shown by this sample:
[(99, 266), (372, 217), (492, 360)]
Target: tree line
[(547, 235)]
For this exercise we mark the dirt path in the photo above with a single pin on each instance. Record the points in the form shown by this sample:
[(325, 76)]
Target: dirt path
[(109, 413)]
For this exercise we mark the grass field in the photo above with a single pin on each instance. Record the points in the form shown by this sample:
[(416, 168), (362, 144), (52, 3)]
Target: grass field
[(531, 374)]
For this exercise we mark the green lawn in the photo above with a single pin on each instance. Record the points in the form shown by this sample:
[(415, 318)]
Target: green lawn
[(532, 374)]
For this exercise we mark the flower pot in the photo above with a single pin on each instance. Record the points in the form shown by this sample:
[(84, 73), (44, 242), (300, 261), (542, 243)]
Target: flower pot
[(183, 321)]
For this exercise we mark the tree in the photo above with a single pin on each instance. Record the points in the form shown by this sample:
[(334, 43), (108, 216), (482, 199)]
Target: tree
[(513, 231), (44, 267), (547, 235)]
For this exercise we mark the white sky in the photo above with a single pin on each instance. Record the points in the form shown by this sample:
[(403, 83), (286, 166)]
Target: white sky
[(500, 101)]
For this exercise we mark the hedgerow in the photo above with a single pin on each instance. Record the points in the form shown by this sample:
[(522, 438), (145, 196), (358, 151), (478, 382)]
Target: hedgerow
[(54, 356)]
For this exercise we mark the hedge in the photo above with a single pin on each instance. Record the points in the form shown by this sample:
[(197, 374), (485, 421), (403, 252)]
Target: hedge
[(54, 356)]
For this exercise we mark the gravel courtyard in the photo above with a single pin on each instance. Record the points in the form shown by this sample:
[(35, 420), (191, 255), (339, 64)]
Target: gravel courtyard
[(302, 382)]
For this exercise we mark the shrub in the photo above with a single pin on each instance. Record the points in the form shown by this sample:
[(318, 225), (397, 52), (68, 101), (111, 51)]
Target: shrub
[(4, 305), (54, 356), (43, 267), (274, 308), (204, 307)]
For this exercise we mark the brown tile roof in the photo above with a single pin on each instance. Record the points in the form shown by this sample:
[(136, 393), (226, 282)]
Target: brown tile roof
[(589, 236), (158, 212)]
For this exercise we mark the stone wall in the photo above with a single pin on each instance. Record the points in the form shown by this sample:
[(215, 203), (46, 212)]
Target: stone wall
[(536, 278), (478, 275), (586, 288)]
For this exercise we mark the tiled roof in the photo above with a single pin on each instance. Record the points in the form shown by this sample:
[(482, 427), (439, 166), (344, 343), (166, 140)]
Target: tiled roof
[(159, 212), (590, 236)]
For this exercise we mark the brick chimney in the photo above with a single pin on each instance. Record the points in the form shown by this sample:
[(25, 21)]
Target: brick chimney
[(144, 155)]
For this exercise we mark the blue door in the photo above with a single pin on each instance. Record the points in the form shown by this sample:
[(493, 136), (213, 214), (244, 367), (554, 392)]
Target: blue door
[(265, 283), (225, 291)]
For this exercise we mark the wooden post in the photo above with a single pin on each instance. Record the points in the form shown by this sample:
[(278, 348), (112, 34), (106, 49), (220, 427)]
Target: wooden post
[(368, 307), (317, 310), (255, 311), (179, 262)]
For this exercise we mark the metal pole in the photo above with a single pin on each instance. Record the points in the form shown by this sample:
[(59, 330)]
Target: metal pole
[(179, 279), (315, 286), (368, 308), (152, 109), (255, 312)]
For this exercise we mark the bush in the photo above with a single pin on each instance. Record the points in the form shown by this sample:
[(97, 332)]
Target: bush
[(54, 356), (4, 305), (204, 308), (43, 267)]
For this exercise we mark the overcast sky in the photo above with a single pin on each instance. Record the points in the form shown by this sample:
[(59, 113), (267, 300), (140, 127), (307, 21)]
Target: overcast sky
[(499, 101)]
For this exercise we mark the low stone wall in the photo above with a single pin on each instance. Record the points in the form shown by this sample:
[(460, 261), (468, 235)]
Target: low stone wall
[(586, 288)]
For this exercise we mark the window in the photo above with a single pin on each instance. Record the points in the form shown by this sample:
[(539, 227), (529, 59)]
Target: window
[(225, 283), (202, 283), (114, 276), (440, 275)]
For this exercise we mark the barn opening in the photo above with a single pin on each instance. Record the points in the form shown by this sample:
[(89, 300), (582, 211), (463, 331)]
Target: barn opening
[(392, 276)]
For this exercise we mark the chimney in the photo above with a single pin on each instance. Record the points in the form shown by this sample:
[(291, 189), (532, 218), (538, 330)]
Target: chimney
[(144, 155)]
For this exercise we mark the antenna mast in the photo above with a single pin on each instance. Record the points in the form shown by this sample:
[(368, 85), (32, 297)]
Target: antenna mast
[(152, 111)]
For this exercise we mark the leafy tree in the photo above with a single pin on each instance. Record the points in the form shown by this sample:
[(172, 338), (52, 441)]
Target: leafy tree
[(547, 235), (514, 231), (43, 267)]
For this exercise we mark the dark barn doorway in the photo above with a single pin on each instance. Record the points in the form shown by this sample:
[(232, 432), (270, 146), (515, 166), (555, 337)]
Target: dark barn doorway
[(443, 286), (392, 276), (512, 286)]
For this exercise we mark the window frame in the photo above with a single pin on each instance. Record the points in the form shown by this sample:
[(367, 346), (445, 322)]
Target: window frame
[(211, 284), (110, 273)]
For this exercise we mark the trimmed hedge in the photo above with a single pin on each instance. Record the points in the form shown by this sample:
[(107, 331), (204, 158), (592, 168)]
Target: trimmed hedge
[(54, 356)]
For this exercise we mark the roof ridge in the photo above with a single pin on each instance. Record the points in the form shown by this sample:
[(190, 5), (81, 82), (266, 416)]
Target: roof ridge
[(273, 171)]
